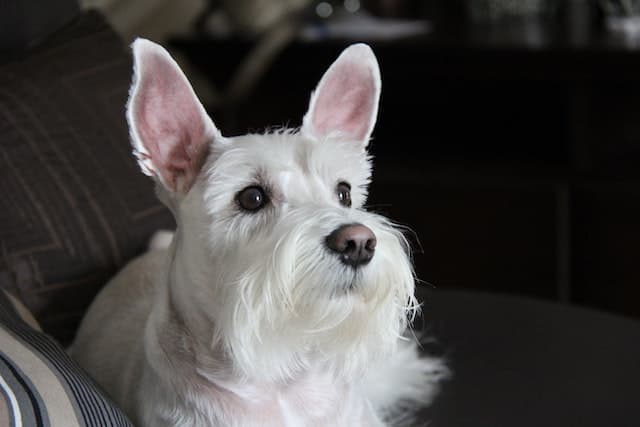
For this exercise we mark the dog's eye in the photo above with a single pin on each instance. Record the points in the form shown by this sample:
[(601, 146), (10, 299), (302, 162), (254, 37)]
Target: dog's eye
[(252, 198), (344, 194)]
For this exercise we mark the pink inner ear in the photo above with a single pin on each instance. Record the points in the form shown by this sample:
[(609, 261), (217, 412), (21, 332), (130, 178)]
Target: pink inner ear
[(346, 102), (169, 120)]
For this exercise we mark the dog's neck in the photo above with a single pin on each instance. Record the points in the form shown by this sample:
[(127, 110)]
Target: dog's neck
[(195, 368), (181, 335)]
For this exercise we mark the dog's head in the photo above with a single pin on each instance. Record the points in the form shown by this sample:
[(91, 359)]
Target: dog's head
[(275, 260)]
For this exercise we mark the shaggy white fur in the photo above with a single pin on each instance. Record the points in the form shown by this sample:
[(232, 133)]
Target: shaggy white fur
[(247, 318)]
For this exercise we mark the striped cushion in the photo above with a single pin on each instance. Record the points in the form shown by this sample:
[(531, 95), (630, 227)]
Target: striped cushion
[(40, 385)]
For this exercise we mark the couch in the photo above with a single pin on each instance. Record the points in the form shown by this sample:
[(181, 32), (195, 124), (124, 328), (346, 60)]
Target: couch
[(75, 209), (74, 206)]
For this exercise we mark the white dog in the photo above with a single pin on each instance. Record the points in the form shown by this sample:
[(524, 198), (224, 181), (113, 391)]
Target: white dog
[(280, 301)]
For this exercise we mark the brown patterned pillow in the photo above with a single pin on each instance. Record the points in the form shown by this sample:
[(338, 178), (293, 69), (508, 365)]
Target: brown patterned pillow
[(74, 206)]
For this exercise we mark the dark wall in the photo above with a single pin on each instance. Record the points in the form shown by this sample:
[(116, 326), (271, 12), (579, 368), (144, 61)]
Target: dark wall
[(515, 162)]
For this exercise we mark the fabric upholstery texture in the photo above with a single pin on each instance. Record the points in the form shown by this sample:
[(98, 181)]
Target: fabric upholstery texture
[(74, 205), (25, 22), (40, 385)]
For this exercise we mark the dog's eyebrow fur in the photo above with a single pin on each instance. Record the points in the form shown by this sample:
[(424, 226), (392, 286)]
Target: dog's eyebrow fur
[(261, 178)]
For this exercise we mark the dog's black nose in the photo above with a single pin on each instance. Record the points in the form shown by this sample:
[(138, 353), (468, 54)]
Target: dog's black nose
[(354, 244)]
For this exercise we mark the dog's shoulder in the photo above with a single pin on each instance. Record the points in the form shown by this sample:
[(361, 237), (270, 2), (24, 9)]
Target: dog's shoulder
[(116, 320), (128, 292)]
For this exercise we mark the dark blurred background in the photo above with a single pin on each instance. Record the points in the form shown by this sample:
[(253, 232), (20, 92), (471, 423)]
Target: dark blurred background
[(508, 137)]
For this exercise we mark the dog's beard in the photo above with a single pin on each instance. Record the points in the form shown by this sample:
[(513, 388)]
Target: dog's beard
[(282, 300)]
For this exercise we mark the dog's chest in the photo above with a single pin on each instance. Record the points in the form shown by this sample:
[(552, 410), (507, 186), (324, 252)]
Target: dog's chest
[(312, 401)]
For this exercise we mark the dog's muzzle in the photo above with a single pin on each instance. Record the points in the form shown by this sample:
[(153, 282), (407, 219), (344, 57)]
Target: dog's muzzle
[(354, 244)]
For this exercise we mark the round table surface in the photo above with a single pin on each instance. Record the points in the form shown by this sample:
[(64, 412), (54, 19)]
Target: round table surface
[(519, 362)]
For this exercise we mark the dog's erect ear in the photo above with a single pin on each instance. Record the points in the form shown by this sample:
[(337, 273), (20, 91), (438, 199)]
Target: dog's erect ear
[(170, 130), (345, 103)]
